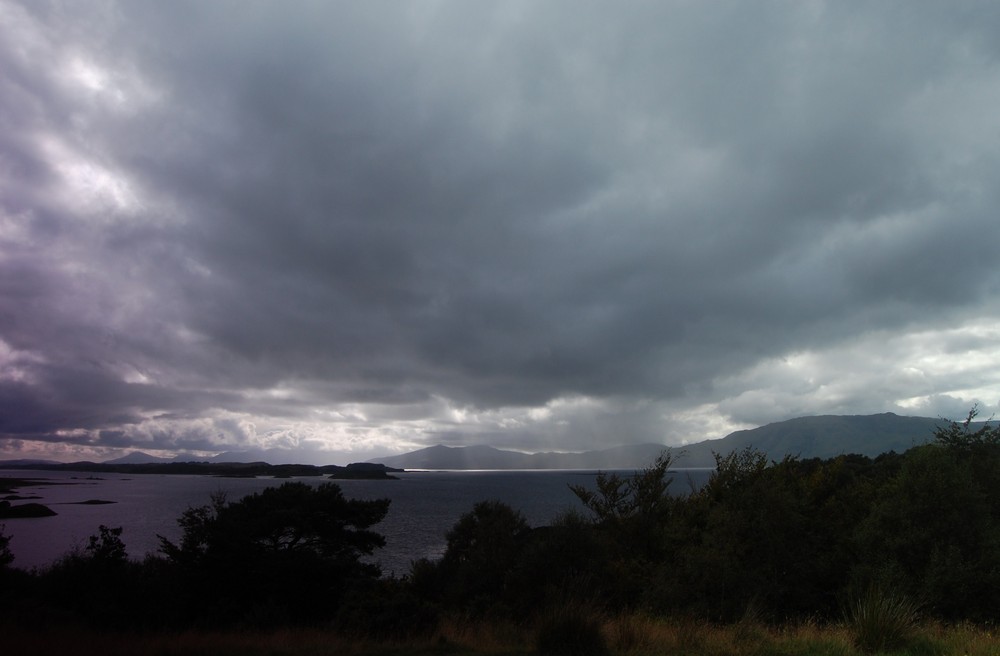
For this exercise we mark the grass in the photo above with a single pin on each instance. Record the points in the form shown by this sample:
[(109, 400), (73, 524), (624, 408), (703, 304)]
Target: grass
[(625, 635), (882, 621)]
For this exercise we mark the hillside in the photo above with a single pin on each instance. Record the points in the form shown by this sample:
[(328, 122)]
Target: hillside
[(806, 437), (823, 436), (487, 457)]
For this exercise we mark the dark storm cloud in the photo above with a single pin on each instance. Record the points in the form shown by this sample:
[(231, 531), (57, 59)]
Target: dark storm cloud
[(544, 224)]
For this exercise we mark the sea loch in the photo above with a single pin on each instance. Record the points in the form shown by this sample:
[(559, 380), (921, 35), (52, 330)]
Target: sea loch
[(424, 506)]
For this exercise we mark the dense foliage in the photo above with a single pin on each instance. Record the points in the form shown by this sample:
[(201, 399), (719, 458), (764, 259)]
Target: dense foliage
[(284, 554), (6, 557), (780, 540), (770, 540), (288, 555)]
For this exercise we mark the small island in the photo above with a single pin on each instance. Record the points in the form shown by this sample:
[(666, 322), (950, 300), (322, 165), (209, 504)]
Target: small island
[(219, 469), (8, 487), (9, 511)]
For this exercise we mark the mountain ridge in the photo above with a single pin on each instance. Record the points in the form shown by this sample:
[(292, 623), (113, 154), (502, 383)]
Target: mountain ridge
[(819, 436)]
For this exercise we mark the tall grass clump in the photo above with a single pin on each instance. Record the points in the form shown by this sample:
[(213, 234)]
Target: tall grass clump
[(880, 620), (629, 633)]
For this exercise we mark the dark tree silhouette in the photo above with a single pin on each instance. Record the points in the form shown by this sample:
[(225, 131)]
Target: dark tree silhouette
[(6, 556), (107, 547), (285, 554)]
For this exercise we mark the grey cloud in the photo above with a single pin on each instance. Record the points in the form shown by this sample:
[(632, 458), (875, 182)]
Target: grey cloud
[(498, 206)]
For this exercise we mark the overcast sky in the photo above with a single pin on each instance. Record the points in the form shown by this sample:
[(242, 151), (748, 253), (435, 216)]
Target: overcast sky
[(549, 225)]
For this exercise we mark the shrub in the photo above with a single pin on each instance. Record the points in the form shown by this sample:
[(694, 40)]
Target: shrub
[(880, 620), (570, 631), (388, 612), (107, 547), (6, 556)]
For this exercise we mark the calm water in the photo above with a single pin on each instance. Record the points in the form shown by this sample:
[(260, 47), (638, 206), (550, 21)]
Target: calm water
[(425, 505)]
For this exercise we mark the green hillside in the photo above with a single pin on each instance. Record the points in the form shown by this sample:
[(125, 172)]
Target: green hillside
[(823, 436)]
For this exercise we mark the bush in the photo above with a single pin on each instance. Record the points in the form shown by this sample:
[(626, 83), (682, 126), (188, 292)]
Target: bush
[(386, 611), (881, 621), (570, 632), (6, 556)]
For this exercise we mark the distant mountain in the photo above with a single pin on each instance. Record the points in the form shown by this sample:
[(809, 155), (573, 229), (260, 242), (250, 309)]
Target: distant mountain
[(271, 456), (25, 462), (466, 457), (288, 456), (619, 457), (825, 436), (805, 437), (487, 457), (138, 458)]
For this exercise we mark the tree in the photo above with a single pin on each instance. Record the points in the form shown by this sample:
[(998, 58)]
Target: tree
[(617, 499), (632, 519), (484, 547), (486, 534), (634, 510), (934, 530), (959, 435), (292, 550), (735, 472), (771, 536), (107, 547), (571, 560), (290, 519), (6, 556)]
